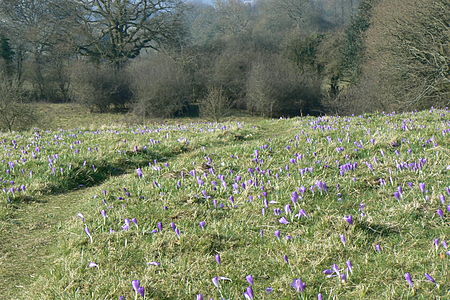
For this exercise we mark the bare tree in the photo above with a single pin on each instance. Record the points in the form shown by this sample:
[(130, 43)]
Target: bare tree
[(215, 105), (276, 87), (160, 85), (408, 50), (296, 10), (37, 30), (117, 30), (233, 16), (14, 114)]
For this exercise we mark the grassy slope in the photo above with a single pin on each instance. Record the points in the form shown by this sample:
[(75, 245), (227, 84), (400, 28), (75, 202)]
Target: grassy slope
[(405, 229)]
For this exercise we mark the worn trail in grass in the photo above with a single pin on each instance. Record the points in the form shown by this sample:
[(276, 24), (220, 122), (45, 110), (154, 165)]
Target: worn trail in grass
[(282, 202), (26, 246), (30, 236)]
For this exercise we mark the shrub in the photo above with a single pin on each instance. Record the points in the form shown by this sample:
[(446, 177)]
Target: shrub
[(100, 87), (407, 54), (276, 87), (230, 72), (14, 114), (215, 105), (161, 87)]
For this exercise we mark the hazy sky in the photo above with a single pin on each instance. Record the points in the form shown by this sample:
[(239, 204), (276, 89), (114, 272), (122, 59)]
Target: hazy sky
[(205, 1)]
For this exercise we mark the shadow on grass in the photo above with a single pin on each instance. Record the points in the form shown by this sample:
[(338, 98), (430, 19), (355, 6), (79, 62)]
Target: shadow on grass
[(96, 172), (25, 199), (377, 230)]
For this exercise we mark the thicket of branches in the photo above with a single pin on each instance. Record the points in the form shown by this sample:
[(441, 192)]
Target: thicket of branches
[(271, 57)]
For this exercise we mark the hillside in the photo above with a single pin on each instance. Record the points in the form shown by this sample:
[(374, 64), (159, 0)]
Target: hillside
[(348, 207)]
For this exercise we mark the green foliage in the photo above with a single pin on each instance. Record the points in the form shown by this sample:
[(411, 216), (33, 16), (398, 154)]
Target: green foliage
[(6, 52), (353, 49), (6, 56), (303, 50)]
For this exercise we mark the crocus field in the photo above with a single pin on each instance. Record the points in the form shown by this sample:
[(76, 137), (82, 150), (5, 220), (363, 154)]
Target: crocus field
[(303, 208)]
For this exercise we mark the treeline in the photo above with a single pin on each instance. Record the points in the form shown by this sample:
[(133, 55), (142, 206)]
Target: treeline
[(265, 57)]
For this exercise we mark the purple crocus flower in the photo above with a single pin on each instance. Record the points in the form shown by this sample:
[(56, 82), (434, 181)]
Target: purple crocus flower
[(349, 219), (154, 263), (319, 296), (343, 239), (139, 173), (350, 266), (440, 213), (378, 248), (160, 226), (92, 265), (409, 279), (298, 285), (126, 227), (200, 297), (288, 209), (202, 224), (283, 220), (430, 278), (436, 242), (81, 216), (88, 232), (218, 259), (250, 279), (422, 187), (136, 284), (216, 281), (269, 290), (335, 268), (294, 197), (328, 272), (301, 213), (397, 195), (141, 291), (103, 213), (286, 259), (248, 294), (277, 234)]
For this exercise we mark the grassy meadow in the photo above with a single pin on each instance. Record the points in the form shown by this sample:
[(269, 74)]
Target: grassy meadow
[(334, 207)]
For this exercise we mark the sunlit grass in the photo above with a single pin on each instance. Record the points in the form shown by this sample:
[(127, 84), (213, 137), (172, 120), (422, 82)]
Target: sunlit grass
[(259, 164)]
